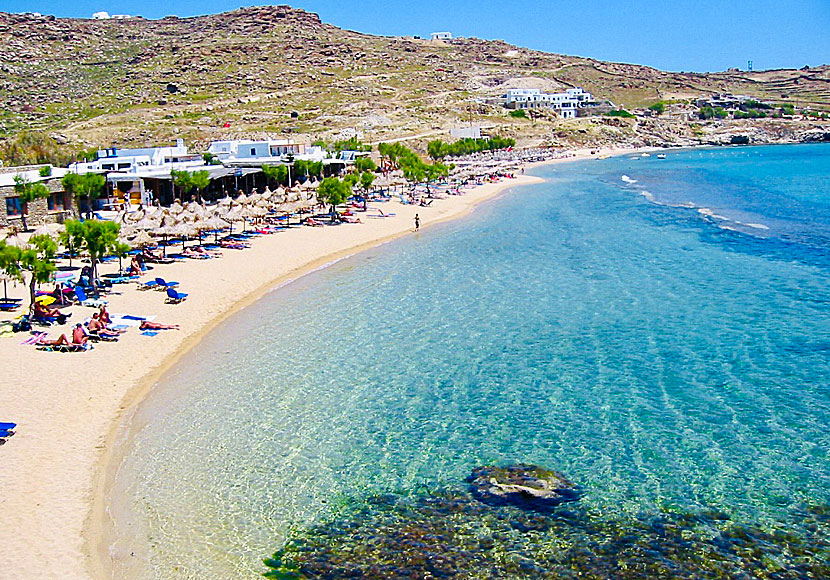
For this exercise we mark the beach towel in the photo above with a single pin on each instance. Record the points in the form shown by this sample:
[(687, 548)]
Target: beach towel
[(149, 333), (34, 338)]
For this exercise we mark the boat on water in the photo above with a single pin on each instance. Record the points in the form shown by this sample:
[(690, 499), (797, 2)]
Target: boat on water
[(646, 155), (661, 156)]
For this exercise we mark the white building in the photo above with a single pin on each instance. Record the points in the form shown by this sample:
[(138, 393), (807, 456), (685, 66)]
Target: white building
[(466, 133), (565, 103), (441, 36), (132, 166), (136, 160), (250, 153)]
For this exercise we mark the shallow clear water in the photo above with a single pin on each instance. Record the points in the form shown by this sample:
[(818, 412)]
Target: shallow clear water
[(651, 352)]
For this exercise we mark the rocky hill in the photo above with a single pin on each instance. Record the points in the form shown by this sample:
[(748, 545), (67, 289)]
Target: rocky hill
[(276, 70)]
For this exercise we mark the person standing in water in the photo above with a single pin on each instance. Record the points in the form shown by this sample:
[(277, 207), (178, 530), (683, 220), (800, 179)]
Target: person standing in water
[(417, 222)]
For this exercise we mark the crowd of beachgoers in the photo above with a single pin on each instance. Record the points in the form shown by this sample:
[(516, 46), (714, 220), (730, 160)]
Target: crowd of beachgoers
[(164, 236)]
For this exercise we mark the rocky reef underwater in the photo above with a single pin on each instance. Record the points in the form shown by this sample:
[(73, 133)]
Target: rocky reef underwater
[(522, 521)]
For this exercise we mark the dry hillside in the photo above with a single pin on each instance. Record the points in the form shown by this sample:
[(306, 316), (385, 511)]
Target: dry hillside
[(137, 81)]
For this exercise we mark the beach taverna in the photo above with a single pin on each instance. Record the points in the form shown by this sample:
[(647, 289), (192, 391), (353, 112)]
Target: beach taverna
[(57, 207)]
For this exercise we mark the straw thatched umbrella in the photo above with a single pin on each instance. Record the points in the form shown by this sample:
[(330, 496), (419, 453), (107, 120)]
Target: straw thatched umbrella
[(176, 208), (217, 224), (234, 215), (142, 240), (166, 228), (15, 240), (43, 230), (184, 230), (147, 224)]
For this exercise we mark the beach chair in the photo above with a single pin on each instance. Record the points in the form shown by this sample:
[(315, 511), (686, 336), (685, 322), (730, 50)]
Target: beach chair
[(5, 426), (84, 300), (6, 433), (174, 297), (64, 347), (161, 284), (95, 337), (148, 285)]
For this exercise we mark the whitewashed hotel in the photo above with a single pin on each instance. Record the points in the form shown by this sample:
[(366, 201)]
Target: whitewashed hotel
[(566, 104)]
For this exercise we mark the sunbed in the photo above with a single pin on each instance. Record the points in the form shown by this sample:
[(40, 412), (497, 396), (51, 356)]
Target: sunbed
[(84, 300), (162, 284), (174, 297), (7, 426), (64, 347)]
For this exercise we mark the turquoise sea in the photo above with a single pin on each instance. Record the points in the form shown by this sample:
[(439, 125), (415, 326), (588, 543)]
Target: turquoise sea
[(656, 330)]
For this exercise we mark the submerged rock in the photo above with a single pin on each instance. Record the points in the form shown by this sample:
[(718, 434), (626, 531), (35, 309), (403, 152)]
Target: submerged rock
[(522, 485)]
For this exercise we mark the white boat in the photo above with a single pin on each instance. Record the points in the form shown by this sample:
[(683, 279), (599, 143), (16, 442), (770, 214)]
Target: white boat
[(661, 156)]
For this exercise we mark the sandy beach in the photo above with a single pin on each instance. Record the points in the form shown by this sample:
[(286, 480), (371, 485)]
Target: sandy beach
[(69, 406)]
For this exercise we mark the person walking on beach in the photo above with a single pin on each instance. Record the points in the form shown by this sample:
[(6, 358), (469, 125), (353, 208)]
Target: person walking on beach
[(417, 222)]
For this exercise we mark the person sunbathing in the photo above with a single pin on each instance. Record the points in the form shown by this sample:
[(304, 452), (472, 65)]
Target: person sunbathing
[(97, 327), (147, 325), (43, 312), (79, 338), (47, 342), (103, 315), (135, 267)]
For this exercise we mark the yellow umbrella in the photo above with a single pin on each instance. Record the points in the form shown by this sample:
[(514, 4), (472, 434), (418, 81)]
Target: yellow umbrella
[(45, 300)]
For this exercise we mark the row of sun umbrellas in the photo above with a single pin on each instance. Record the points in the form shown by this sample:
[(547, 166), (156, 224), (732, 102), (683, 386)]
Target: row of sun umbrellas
[(191, 220), (144, 227)]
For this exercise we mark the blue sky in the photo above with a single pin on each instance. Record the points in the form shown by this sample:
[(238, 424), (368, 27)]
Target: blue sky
[(678, 35)]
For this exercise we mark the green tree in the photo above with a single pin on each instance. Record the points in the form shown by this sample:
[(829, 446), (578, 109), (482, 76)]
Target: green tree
[(518, 114), (436, 149), (276, 174), (38, 260), (88, 186), (307, 168), (211, 159), (367, 178), (436, 171), (121, 250), (28, 192), (333, 192), (364, 164), (200, 180), (97, 237), (69, 237), (183, 180)]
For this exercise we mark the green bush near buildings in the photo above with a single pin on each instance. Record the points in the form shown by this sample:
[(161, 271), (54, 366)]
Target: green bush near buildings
[(712, 113), (518, 114), (619, 113), (659, 107)]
